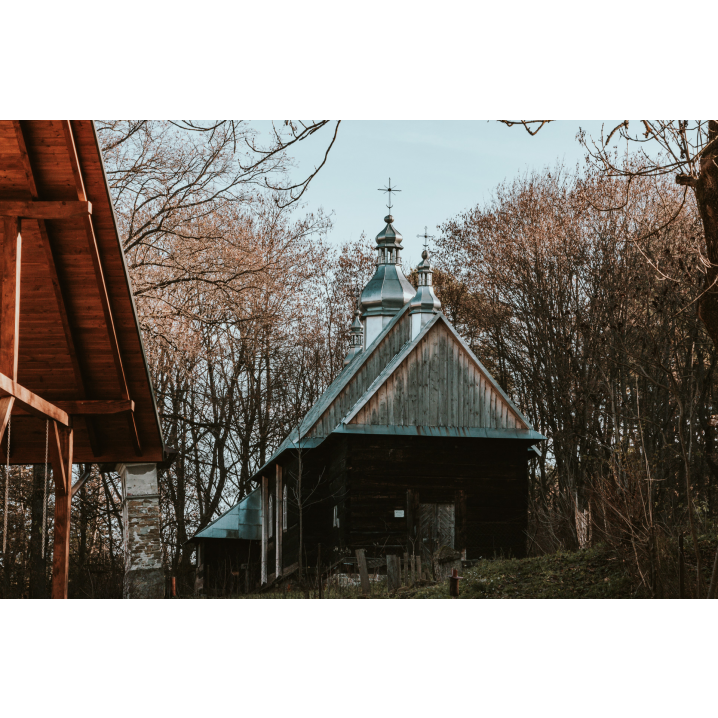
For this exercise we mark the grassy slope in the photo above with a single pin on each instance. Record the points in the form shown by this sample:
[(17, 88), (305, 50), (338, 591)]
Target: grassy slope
[(594, 573)]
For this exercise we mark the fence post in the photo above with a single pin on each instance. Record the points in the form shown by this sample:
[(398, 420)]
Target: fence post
[(681, 569), (419, 574), (454, 584), (406, 568), (363, 573), (393, 573), (319, 569)]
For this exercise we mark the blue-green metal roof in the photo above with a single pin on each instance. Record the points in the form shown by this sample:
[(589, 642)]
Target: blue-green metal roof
[(242, 521)]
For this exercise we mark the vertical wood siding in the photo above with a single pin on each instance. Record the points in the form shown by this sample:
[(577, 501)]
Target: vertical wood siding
[(437, 384), (352, 392)]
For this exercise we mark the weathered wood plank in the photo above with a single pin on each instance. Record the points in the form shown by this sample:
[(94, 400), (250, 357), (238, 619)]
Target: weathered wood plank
[(363, 573)]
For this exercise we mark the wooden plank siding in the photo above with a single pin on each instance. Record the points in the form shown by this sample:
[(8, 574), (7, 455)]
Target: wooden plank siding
[(444, 387), (358, 385)]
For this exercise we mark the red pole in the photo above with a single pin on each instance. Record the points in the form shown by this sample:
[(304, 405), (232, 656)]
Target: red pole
[(454, 584), (174, 587)]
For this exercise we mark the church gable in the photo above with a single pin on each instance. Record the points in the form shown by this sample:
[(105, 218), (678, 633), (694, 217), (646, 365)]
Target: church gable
[(369, 365), (436, 381)]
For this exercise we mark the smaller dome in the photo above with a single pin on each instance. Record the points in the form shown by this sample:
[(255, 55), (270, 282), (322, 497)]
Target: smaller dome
[(356, 337), (425, 300)]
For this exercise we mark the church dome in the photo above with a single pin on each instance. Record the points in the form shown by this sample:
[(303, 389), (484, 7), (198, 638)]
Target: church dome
[(388, 290), (425, 301)]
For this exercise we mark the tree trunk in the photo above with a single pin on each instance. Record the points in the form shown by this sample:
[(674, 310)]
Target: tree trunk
[(38, 564), (707, 200)]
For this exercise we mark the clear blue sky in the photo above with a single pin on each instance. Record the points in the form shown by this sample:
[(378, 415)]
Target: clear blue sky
[(441, 167)]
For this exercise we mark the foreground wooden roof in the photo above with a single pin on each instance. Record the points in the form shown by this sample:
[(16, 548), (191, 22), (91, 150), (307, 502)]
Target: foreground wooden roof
[(80, 346)]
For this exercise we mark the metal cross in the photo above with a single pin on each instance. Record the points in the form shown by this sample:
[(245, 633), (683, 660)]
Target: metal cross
[(389, 190), (426, 238)]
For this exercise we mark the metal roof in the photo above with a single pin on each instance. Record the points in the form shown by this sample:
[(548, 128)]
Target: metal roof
[(345, 376), (458, 432), (242, 521)]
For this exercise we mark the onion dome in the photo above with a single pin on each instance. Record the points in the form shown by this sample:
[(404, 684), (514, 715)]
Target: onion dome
[(356, 336), (388, 290), (425, 301)]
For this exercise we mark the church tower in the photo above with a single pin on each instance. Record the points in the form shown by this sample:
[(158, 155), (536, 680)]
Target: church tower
[(425, 302), (388, 290)]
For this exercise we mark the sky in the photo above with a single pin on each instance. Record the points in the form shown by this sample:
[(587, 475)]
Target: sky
[(441, 167)]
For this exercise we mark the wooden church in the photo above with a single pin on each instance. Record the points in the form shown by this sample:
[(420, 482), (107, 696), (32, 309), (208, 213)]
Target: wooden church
[(414, 446)]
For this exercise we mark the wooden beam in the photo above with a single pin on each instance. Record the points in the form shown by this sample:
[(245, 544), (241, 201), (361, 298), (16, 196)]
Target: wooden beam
[(97, 264), (87, 407), (33, 403), (134, 433), (45, 210), (74, 160), (10, 299), (101, 285), (62, 445), (58, 451), (91, 407), (57, 288), (6, 404), (25, 159)]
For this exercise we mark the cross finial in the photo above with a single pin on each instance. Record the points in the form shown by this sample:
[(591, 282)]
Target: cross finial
[(389, 190), (426, 237)]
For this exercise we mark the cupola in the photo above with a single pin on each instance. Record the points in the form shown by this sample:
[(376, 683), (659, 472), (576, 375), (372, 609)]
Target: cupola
[(425, 303), (388, 290), (356, 336)]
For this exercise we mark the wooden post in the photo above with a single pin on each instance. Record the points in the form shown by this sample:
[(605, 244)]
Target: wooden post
[(454, 584), (61, 451), (265, 531), (279, 522), (413, 570), (10, 298), (393, 573), (363, 573), (406, 568), (319, 570), (419, 575), (174, 587), (681, 569)]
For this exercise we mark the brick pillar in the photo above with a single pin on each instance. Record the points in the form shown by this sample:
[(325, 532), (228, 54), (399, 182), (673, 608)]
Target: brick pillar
[(144, 576)]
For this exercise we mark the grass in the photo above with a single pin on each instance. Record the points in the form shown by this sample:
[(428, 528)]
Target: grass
[(592, 573)]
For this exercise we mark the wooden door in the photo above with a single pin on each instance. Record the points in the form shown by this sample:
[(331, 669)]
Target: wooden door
[(435, 527)]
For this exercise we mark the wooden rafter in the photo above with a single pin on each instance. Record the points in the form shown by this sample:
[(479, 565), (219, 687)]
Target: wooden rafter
[(91, 407), (57, 288), (32, 403), (101, 283), (45, 210), (10, 297), (6, 407)]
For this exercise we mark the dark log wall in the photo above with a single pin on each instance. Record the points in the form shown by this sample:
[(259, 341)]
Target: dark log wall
[(369, 477), (231, 566), (324, 475), (487, 479)]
